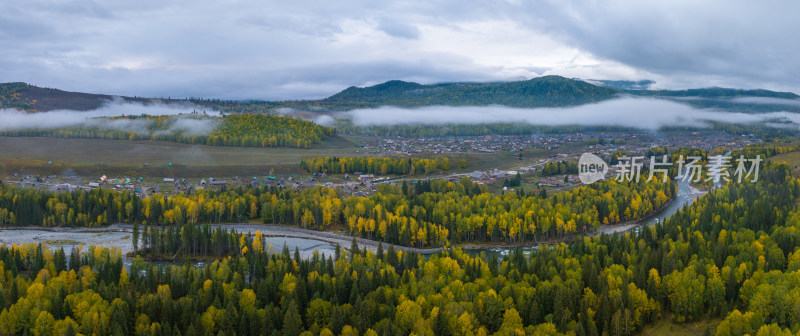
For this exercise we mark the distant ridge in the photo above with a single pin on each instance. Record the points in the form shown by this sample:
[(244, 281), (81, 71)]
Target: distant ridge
[(32, 98), (717, 92), (546, 91), (623, 84)]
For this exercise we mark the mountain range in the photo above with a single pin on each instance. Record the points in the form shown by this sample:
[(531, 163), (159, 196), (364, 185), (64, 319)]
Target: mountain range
[(546, 91)]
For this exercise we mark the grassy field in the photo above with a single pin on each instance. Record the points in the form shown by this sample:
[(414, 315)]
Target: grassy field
[(152, 158), (792, 159), (95, 157), (667, 327)]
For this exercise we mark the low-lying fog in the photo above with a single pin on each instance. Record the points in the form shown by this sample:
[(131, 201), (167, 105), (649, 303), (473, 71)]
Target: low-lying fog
[(645, 113), (635, 112), (12, 119)]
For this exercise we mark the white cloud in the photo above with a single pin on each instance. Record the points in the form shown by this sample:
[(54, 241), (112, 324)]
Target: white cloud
[(11, 119), (644, 113), (766, 101)]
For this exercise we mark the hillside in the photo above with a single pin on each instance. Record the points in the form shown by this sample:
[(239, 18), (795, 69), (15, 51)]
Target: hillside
[(716, 92), (733, 100), (32, 98), (623, 84), (547, 91)]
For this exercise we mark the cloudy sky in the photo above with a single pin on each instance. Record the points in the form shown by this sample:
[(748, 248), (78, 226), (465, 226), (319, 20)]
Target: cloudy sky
[(311, 49)]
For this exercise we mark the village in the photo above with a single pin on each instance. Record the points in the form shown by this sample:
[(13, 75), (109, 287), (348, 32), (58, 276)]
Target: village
[(604, 141), (532, 151)]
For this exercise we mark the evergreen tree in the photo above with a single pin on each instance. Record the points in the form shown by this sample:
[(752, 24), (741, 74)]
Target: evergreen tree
[(229, 319), (13, 293), (292, 323), (353, 249), (440, 326), (391, 256), (135, 236), (60, 260), (337, 320), (118, 320)]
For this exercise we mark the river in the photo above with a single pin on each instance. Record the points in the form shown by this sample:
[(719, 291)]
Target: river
[(306, 241), (119, 235), (686, 195)]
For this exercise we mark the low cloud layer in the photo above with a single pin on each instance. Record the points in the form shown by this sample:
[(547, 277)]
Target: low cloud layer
[(12, 119), (766, 101), (643, 113), (193, 126)]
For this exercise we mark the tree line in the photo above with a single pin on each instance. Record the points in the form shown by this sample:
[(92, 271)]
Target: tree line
[(559, 168), (424, 213), (375, 165)]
